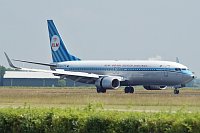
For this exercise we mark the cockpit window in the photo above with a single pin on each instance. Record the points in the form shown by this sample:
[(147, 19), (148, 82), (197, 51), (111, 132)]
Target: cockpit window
[(177, 69), (184, 69)]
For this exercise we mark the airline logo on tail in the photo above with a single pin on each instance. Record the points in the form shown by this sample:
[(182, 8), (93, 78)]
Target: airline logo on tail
[(58, 49), (55, 43)]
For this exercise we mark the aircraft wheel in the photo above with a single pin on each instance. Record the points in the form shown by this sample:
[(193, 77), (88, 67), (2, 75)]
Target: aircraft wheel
[(98, 90), (129, 89), (101, 90), (126, 90), (132, 90), (176, 91)]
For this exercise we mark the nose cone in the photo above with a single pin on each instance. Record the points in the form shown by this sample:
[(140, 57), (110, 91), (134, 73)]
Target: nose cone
[(193, 77), (188, 78)]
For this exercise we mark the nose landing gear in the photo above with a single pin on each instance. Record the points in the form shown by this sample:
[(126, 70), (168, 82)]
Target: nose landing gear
[(129, 89), (176, 91)]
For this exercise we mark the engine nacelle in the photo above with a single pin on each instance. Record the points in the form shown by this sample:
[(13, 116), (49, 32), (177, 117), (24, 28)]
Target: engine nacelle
[(107, 83), (155, 87)]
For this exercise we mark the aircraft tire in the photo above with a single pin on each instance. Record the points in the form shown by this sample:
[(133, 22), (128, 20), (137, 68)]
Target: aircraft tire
[(129, 89), (101, 90), (176, 91), (98, 90), (126, 90)]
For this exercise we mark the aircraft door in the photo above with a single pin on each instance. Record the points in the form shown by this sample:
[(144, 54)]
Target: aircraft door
[(166, 71)]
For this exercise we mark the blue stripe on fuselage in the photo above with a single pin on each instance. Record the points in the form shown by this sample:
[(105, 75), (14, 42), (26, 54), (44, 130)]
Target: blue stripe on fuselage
[(125, 69)]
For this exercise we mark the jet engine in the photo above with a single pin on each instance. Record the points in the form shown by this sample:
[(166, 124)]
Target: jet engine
[(155, 87), (107, 83)]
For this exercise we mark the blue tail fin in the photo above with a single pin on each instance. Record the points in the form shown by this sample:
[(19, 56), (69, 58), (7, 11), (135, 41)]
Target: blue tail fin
[(58, 49)]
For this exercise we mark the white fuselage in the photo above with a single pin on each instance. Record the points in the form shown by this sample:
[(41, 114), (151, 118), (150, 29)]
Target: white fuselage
[(135, 72)]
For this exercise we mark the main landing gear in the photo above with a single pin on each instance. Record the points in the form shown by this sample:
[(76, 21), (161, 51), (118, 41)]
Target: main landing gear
[(176, 91), (129, 89), (101, 90)]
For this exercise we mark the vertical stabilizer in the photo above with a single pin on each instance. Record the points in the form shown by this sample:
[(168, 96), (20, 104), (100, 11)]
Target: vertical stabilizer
[(58, 49)]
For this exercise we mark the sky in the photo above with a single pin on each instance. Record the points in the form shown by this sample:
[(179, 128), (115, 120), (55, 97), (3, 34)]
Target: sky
[(103, 29)]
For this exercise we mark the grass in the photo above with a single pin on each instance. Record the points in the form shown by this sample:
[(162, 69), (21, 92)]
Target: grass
[(142, 100)]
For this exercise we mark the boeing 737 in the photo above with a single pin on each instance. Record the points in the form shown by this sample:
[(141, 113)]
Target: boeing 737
[(111, 74)]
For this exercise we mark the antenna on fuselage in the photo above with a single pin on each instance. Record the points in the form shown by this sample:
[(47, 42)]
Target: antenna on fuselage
[(177, 60)]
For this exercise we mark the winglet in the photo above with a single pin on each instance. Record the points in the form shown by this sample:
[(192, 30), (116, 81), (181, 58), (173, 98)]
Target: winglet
[(9, 62)]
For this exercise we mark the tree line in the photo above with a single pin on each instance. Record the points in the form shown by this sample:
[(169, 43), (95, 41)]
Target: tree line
[(2, 73)]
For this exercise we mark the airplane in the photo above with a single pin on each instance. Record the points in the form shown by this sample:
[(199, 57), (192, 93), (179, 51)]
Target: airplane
[(111, 74)]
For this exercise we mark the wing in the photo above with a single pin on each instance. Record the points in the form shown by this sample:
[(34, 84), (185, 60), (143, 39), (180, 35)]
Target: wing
[(83, 77), (76, 76), (38, 63)]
